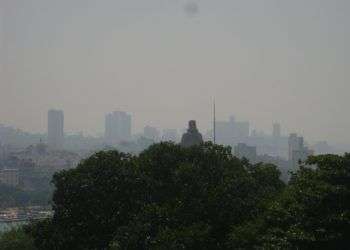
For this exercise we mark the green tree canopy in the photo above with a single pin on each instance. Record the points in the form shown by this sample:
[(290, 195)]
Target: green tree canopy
[(16, 239), (313, 212), (169, 197)]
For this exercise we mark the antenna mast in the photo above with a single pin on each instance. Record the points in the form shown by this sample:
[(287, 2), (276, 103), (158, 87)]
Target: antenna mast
[(214, 122)]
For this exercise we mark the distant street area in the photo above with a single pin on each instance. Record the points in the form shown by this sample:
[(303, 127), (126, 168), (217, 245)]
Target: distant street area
[(13, 217)]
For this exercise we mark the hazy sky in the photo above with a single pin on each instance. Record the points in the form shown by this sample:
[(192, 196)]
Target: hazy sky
[(164, 60)]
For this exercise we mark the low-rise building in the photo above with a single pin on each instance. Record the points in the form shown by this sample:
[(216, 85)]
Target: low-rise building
[(9, 177)]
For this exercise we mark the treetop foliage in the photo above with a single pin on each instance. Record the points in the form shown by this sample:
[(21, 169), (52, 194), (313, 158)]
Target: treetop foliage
[(202, 197)]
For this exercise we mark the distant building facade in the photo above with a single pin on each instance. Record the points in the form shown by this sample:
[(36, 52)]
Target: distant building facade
[(295, 143), (297, 152), (231, 130), (9, 177), (117, 127), (243, 150), (55, 129), (242, 129), (224, 132), (41, 158), (192, 137), (322, 147), (276, 130), (151, 133), (170, 135)]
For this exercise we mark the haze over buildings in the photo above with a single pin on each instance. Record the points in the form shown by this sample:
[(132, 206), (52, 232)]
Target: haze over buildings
[(163, 61), (55, 129), (152, 133), (117, 127), (276, 130), (170, 135), (118, 118), (297, 151)]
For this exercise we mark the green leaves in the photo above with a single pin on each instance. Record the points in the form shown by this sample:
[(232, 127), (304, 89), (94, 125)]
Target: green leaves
[(93, 200), (16, 239), (313, 211), (169, 197)]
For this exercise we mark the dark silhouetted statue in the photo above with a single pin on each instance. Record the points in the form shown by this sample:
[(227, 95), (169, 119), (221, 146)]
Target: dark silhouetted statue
[(192, 136)]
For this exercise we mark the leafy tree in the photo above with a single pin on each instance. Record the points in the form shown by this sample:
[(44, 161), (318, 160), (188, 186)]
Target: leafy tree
[(16, 239), (167, 197), (201, 197), (214, 189), (45, 234), (92, 201), (313, 211)]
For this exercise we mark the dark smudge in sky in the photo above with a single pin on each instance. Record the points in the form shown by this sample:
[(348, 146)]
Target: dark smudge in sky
[(191, 9)]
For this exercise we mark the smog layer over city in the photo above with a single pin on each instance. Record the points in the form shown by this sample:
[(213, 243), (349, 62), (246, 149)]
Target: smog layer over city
[(174, 124)]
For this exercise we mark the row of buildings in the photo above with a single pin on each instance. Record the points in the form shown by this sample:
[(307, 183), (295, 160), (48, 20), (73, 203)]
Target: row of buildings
[(118, 126), (283, 151), (297, 152), (232, 132)]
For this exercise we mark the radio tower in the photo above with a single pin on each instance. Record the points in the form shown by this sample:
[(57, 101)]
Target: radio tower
[(214, 122)]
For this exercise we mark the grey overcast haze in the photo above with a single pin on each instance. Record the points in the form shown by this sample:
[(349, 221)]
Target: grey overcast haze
[(163, 61)]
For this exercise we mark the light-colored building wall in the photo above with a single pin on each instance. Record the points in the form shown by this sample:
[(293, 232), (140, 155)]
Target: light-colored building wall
[(117, 127), (55, 129)]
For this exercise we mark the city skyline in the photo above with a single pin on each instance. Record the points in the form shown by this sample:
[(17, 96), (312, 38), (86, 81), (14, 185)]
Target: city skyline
[(248, 128), (163, 62), (174, 124)]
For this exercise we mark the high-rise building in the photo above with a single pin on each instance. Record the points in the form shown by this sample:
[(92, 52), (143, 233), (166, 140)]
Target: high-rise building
[(55, 129), (224, 132), (229, 131), (117, 127), (276, 130), (297, 151), (151, 133), (295, 143)]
